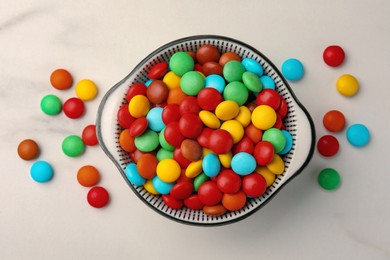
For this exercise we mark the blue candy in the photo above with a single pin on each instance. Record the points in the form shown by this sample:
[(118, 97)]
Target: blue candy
[(267, 82), (243, 163), (154, 118), (161, 186), (147, 83), (252, 66), (292, 69), (215, 81), (133, 175), (289, 142), (358, 135), (211, 165), (41, 171)]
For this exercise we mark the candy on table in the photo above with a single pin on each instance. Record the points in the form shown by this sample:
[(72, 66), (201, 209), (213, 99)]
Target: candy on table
[(88, 176), (292, 69), (333, 55), (41, 171), (198, 137), (358, 135), (86, 89), (328, 145), (98, 197), (334, 121), (347, 85), (329, 179), (51, 105), (28, 149), (74, 108), (73, 146), (61, 79), (89, 136)]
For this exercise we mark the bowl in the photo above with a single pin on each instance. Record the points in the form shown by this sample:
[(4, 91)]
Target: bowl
[(298, 122)]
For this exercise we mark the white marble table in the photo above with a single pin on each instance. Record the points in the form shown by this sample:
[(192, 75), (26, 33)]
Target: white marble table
[(103, 41)]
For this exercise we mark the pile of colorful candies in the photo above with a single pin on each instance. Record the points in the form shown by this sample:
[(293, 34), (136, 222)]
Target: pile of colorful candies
[(73, 145), (334, 121), (206, 130)]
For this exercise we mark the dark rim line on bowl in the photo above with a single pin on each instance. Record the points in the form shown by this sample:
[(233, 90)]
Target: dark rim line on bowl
[(141, 64)]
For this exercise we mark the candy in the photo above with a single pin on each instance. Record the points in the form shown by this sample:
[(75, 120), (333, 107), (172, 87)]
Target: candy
[(172, 202), (329, 179), (292, 69), (126, 141), (74, 108), (164, 154), (147, 165), (347, 85), (276, 166), (150, 188), (233, 70), (243, 163), (267, 174), (168, 170), (228, 56), (86, 90), (134, 90), (192, 83), (193, 202), (189, 105), (170, 113), (209, 99), (263, 117), (89, 135), (207, 53), (234, 201), (171, 80), (276, 138), (211, 165), (268, 97), (254, 185), (133, 175), (181, 63), (98, 197), (215, 81), (199, 180), (41, 171), (334, 121), (235, 129), (209, 194), (252, 81), (220, 141), (244, 116), (227, 110), (147, 142), (73, 146), (244, 145), (51, 105), (154, 118), (328, 145), (88, 176), (216, 210), (228, 181), (209, 119), (28, 149), (333, 55), (252, 66), (172, 134), (267, 82), (138, 127), (161, 186), (182, 190), (61, 79), (358, 135), (123, 116), (237, 92), (253, 133), (158, 70), (163, 142), (190, 125), (157, 92), (191, 150), (211, 67), (194, 169), (289, 142), (263, 152), (139, 106)]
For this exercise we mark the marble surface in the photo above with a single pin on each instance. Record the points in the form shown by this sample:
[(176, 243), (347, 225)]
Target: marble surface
[(103, 41)]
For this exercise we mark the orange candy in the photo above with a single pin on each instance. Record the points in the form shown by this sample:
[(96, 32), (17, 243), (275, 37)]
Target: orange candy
[(234, 201), (61, 79), (334, 121), (216, 210), (176, 96), (253, 133), (147, 165), (126, 141), (88, 176)]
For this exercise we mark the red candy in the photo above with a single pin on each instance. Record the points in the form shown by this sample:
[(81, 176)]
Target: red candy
[(228, 181), (220, 141), (157, 92), (123, 116), (98, 197), (244, 145), (73, 108), (254, 185), (89, 135), (134, 90), (180, 159), (138, 127), (328, 145), (190, 125), (171, 113), (158, 70), (283, 108), (172, 134), (268, 97), (253, 133), (189, 105), (204, 137), (182, 190), (171, 202), (209, 194), (263, 152), (209, 98), (333, 55), (193, 202), (334, 121)]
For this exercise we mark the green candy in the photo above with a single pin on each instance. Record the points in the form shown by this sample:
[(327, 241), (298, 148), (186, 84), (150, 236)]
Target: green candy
[(164, 154), (199, 180), (329, 179), (237, 92), (192, 83), (73, 146), (252, 81), (147, 142), (276, 138), (233, 70), (51, 105), (181, 62), (164, 144)]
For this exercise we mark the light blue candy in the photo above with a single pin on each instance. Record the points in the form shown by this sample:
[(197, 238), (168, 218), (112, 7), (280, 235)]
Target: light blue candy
[(289, 142), (268, 82), (133, 175), (41, 171), (215, 81), (292, 69), (243, 163), (211, 165), (358, 135), (147, 83), (252, 66), (161, 186), (154, 118)]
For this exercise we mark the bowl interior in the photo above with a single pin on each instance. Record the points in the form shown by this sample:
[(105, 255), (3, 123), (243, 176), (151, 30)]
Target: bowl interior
[(297, 122)]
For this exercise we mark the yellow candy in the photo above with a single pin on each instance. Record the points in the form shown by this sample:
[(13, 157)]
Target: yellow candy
[(264, 117), (139, 106), (347, 85), (148, 185), (235, 129), (244, 116), (209, 119), (194, 169), (86, 89), (171, 80), (267, 174), (206, 152), (276, 166), (168, 170), (225, 159), (227, 110)]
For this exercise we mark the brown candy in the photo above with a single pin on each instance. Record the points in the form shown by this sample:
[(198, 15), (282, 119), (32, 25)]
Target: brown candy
[(157, 92), (216, 210), (207, 53), (191, 150), (28, 149), (212, 67), (228, 56)]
